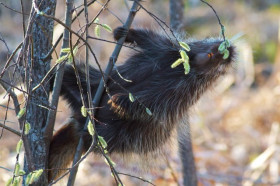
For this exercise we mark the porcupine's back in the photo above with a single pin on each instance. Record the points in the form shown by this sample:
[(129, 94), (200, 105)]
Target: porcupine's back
[(168, 93)]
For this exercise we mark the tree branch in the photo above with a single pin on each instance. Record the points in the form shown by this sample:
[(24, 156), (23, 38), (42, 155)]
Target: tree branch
[(10, 129)]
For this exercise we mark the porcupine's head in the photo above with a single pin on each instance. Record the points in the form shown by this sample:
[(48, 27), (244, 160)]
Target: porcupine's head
[(205, 58), (207, 64)]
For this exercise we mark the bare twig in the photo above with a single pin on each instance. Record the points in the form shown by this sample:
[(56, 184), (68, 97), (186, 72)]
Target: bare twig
[(10, 129), (10, 59), (6, 114), (1, 3), (137, 177), (61, 35), (23, 18), (220, 23)]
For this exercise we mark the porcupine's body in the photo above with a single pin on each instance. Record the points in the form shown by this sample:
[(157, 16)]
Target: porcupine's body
[(167, 92)]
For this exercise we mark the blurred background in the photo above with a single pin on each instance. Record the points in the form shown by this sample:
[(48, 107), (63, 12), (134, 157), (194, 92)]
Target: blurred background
[(234, 127)]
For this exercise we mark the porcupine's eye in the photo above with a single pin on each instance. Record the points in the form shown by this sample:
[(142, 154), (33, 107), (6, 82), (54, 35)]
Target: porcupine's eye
[(210, 55)]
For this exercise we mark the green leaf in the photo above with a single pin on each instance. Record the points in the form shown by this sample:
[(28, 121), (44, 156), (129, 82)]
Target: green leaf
[(32, 179), (107, 27), (37, 174), (22, 172), (21, 112), (27, 128), (227, 43), (131, 98), (108, 161), (84, 111), (184, 55), (185, 46), (66, 50), (97, 31), (102, 141), (19, 145), (62, 58), (40, 13), (187, 67), (96, 20), (148, 111), (28, 179), (177, 63), (75, 50), (17, 167), (111, 161), (90, 128), (9, 182), (226, 54), (16, 182), (222, 47)]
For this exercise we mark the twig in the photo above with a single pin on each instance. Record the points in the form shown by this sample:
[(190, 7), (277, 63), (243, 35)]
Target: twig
[(3, 83), (6, 114), (23, 18), (10, 129), (172, 170), (61, 35), (6, 169), (136, 178), (158, 20), (10, 59), (14, 10), (220, 23)]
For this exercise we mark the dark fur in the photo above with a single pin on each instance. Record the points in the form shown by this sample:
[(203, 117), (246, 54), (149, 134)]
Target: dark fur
[(167, 92)]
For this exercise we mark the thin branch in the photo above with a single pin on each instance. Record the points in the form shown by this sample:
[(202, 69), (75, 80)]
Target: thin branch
[(23, 18), (139, 178), (10, 129), (6, 114), (10, 59), (61, 35), (14, 10), (6, 169), (159, 21), (220, 23)]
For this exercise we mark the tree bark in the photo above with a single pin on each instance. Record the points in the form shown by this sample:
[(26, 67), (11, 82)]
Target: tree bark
[(40, 33), (176, 14)]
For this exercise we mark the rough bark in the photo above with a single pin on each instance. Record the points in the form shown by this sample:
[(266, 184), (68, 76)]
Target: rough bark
[(40, 32), (176, 14)]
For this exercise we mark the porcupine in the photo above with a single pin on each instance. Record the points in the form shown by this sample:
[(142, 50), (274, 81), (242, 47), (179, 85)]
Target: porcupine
[(167, 92)]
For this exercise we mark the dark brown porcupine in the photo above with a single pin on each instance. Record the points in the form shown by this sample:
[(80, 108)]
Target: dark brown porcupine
[(166, 91)]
